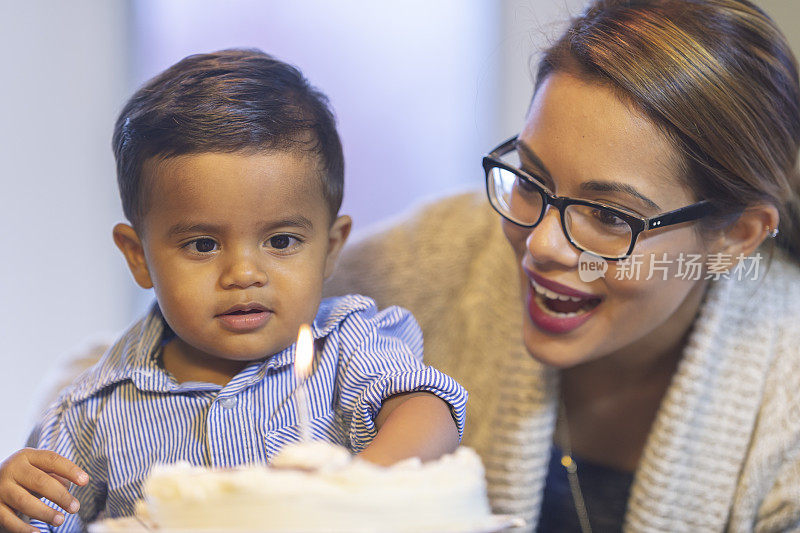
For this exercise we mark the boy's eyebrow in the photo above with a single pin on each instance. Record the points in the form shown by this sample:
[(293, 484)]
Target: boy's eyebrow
[(297, 221), (188, 227)]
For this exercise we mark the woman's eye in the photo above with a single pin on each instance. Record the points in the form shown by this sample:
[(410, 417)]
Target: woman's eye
[(525, 185), (202, 246), (282, 242), (608, 218)]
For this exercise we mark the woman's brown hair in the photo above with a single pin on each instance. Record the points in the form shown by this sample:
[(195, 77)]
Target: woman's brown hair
[(718, 77)]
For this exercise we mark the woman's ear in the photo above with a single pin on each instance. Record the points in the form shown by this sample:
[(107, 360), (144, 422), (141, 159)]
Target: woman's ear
[(744, 236), (337, 236), (129, 243)]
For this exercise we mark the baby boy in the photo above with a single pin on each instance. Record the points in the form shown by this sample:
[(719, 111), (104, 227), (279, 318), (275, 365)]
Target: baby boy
[(230, 171)]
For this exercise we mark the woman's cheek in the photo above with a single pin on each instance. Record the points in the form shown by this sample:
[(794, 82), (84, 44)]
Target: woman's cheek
[(649, 290), (516, 236)]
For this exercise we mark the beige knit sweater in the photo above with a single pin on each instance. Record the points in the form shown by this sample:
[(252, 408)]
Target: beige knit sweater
[(724, 451)]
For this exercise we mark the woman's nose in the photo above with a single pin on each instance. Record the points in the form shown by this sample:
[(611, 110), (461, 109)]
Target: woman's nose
[(547, 242), (243, 271)]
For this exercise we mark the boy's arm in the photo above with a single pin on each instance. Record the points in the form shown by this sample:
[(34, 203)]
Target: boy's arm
[(30, 474), (383, 384), (416, 424)]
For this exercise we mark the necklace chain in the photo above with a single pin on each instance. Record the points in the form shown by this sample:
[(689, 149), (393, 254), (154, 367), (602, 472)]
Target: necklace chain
[(572, 470)]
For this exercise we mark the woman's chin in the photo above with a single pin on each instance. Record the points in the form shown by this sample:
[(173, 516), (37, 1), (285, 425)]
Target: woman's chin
[(562, 351), (559, 363)]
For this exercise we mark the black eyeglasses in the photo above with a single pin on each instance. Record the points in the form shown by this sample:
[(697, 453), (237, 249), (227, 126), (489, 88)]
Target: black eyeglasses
[(593, 227)]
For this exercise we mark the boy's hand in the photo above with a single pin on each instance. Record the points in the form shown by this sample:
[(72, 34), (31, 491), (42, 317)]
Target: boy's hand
[(29, 475)]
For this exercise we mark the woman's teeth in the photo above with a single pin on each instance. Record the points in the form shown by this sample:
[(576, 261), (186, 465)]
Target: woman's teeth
[(562, 305), (547, 293)]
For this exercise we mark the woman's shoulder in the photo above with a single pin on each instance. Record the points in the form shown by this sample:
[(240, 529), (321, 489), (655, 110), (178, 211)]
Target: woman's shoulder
[(780, 292), (767, 492), (783, 299), (778, 421), (786, 270), (762, 312)]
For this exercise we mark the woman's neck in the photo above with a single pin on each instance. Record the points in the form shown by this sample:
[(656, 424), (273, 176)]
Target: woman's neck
[(651, 356), (610, 403)]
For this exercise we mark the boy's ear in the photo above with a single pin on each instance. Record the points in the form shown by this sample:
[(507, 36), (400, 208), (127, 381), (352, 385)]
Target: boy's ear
[(340, 229), (745, 235), (129, 243)]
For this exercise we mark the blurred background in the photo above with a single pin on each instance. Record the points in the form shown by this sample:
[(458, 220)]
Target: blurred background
[(421, 89)]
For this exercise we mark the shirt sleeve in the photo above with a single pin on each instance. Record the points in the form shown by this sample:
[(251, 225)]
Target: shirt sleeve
[(381, 356), (53, 434)]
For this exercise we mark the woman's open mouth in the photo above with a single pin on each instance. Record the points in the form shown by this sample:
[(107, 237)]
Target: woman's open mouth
[(555, 308)]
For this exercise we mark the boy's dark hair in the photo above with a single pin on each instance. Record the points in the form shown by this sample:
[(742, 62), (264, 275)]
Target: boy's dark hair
[(224, 101)]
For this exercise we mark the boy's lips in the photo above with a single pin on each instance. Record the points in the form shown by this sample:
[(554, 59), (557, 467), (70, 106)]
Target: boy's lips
[(244, 317)]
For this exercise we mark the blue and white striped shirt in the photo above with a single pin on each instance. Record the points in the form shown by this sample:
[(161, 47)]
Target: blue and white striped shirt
[(127, 413)]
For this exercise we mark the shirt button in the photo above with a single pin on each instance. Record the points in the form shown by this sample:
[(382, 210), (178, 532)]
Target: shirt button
[(229, 402)]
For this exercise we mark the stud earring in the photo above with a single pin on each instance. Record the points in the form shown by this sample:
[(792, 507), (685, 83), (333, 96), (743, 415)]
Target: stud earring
[(772, 233)]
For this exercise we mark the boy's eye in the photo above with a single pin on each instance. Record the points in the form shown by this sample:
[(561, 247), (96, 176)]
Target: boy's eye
[(203, 246), (282, 242)]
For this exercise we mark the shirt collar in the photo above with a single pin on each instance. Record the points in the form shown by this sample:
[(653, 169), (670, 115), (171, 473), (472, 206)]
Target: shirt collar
[(135, 356), (331, 313)]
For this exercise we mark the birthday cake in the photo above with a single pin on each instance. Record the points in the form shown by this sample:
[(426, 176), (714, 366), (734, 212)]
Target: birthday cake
[(316, 487)]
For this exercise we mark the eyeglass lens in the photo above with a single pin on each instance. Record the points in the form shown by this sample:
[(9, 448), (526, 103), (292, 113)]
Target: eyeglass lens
[(591, 228)]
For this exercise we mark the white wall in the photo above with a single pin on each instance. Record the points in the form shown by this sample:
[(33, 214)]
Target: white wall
[(407, 79), (786, 13), (63, 77)]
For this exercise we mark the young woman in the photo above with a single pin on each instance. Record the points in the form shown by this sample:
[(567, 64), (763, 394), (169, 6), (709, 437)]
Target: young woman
[(660, 386)]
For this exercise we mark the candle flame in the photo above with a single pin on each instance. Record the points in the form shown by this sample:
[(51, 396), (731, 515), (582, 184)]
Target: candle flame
[(304, 353)]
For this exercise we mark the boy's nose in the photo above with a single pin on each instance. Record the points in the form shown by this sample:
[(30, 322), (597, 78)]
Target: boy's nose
[(243, 272)]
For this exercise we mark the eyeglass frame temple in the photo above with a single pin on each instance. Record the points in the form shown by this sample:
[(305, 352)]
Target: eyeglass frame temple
[(682, 214)]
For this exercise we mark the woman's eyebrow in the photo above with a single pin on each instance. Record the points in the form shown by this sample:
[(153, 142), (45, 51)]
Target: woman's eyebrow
[(531, 156), (529, 159), (592, 185), (615, 186)]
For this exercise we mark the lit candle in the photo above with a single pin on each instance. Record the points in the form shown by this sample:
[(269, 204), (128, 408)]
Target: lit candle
[(304, 356)]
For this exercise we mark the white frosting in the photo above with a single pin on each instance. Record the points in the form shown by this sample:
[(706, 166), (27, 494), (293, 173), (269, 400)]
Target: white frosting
[(313, 455), (321, 487)]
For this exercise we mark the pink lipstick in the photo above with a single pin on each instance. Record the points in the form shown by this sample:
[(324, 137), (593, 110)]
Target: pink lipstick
[(556, 308)]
